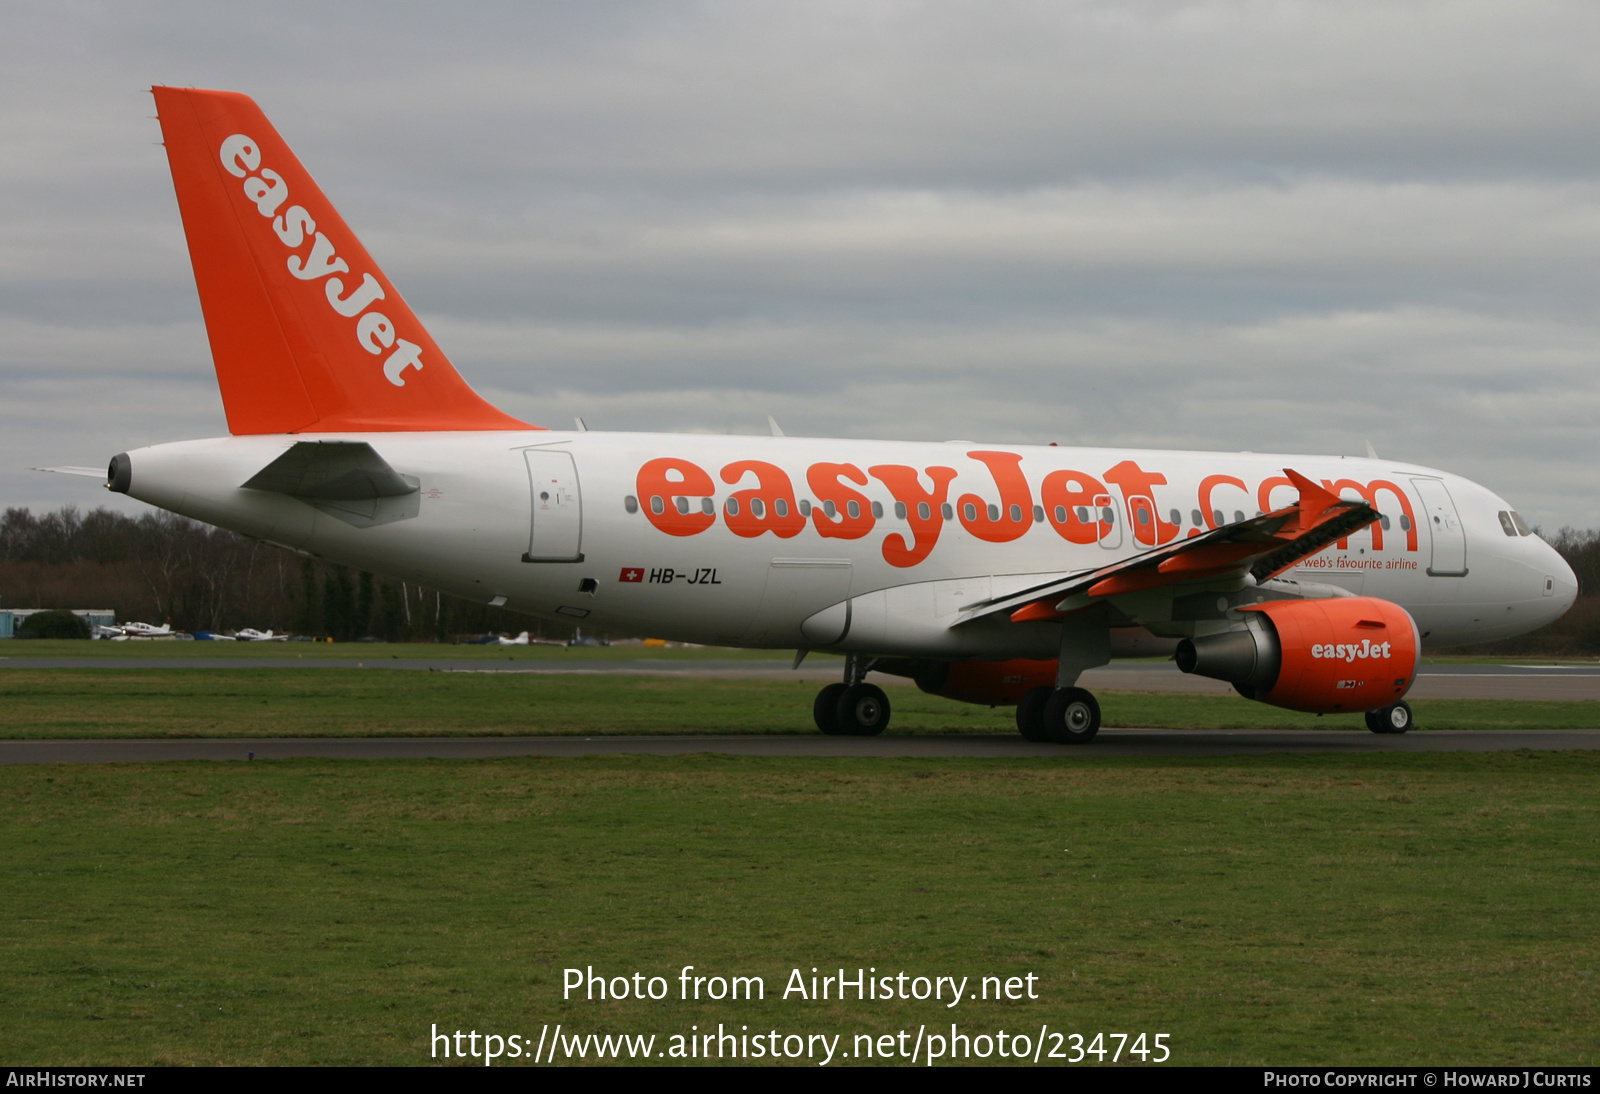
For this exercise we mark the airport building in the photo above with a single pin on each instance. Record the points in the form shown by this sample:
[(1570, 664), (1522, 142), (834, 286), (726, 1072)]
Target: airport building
[(11, 618)]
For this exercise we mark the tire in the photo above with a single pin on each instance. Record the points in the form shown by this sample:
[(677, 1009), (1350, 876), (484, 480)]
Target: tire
[(862, 710), (1392, 719), (1030, 713), (1071, 717), (825, 711)]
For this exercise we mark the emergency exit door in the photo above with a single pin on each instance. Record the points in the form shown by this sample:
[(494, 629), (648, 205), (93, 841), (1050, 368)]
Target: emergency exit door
[(557, 532)]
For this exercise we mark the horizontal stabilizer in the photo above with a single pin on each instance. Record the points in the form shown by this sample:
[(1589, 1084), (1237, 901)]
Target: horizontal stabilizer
[(333, 471), (85, 472)]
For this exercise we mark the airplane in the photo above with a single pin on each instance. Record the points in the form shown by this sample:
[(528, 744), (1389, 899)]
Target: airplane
[(250, 634), (146, 630), (519, 640), (986, 573)]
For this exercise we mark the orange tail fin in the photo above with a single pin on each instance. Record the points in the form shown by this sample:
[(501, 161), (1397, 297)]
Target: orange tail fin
[(306, 332)]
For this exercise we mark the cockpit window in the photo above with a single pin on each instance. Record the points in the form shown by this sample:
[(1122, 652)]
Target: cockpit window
[(1522, 525), (1506, 526)]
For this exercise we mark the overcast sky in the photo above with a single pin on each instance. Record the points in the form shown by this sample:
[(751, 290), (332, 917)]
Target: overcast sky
[(1265, 226)]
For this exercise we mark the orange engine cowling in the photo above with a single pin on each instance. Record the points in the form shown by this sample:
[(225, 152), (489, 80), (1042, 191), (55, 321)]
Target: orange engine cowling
[(1002, 683), (1320, 656), (990, 683)]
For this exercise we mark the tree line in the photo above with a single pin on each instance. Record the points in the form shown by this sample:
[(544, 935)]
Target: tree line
[(159, 566)]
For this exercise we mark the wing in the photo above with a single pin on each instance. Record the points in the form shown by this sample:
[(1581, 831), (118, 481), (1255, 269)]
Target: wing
[(1261, 547)]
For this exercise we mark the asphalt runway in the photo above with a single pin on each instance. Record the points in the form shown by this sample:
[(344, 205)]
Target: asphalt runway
[(1113, 742), (1451, 681)]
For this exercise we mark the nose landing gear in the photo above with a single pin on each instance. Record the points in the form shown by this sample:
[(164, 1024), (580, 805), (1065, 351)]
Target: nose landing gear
[(1068, 716), (854, 708), (1395, 719)]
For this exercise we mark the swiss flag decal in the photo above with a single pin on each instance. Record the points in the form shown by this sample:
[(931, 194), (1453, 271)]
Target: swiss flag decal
[(632, 574)]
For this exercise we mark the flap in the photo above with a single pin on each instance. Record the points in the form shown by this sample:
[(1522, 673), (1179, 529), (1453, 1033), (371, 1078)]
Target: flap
[(332, 471)]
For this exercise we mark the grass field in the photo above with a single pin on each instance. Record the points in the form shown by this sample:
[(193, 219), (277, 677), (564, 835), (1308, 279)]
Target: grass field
[(1385, 909), (372, 702)]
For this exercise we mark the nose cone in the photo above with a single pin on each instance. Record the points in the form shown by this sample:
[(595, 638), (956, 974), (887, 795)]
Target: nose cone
[(1563, 591)]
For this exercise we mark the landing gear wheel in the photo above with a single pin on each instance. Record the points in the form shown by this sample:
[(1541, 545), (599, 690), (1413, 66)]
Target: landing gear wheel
[(825, 711), (1071, 717), (862, 710), (1395, 719), (1030, 713)]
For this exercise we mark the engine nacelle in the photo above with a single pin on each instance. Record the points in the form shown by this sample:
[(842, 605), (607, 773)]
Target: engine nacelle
[(1320, 656), (990, 683), (1002, 683)]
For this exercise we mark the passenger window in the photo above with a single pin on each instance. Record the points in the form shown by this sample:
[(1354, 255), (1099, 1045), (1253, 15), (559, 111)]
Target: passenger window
[(1108, 515), (994, 512), (1522, 525), (1405, 523), (1143, 514), (947, 511), (853, 507), (923, 512), (1505, 523), (900, 510), (758, 508), (830, 509), (805, 507), (1038, 514), (1177, 517), (1198, 519), (733, 507), (657, 506), (1083, 515), (1383, 522), (1238, 515), (630, 503), (707, 506), (877, 510), (682, 503), (969, 511), (1216, 518)]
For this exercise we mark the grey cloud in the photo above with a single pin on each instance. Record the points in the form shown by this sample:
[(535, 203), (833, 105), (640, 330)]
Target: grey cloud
[(1212, 225)]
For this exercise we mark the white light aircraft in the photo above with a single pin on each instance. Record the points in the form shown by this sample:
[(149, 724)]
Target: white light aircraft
[(250, 634), (988, 573)]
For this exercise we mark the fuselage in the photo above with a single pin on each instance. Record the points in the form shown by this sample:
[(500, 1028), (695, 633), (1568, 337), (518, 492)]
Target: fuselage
[(741, 540)]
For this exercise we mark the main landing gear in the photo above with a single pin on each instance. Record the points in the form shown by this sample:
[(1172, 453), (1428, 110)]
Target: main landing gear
[(1067, 716), (854, 708), (1395, 719)]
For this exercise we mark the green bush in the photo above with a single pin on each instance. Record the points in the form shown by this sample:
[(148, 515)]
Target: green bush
[(53, 625)]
